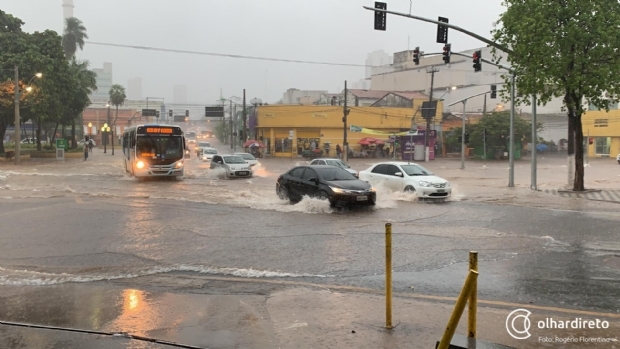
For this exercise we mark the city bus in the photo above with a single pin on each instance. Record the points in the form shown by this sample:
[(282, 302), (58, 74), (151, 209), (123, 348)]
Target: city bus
[(154, 150)]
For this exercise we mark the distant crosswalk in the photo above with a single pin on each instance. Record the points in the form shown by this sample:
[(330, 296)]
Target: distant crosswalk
[(603, 195)]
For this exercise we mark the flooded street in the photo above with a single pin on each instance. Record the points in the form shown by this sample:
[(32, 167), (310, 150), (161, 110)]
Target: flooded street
[(87, 233)]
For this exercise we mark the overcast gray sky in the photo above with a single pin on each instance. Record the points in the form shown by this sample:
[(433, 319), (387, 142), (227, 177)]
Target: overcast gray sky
[(319, 30)]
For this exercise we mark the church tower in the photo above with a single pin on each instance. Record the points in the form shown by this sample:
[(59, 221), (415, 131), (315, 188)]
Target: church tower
[(67, 8)]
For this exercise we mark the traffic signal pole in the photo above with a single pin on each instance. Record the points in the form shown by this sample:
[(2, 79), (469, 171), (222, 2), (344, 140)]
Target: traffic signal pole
[(464, 101)]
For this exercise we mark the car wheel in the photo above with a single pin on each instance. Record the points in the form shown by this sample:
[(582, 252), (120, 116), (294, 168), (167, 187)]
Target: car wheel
[(283, 193), (324, 196), (410, 189)]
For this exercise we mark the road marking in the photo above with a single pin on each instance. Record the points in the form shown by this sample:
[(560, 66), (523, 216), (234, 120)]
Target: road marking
[(407, 295), (603, 195)]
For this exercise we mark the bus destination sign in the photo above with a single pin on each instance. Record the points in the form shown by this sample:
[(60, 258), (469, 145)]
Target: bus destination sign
[(165, 130)]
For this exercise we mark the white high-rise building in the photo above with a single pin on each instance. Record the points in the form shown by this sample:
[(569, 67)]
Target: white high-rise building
[(377, 58), (180, 94), (134, 88), (67, 9)]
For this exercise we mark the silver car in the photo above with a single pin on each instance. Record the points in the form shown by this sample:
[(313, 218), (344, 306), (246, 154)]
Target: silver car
[(335, 162), (208, 154), (234, 165)]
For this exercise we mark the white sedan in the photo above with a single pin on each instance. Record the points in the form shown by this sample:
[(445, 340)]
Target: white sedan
[(409, 177), (208, 154), (249, 158)]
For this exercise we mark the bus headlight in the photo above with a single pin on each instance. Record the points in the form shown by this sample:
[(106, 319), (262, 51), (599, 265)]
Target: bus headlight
[(179, 164), (140, 164)]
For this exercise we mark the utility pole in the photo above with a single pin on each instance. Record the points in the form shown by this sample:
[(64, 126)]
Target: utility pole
[(430, 117), (345, 146), (463, 138), (511, 151), (235, 126), (533, 185), (232, 137), (244, 119), (17, 119)]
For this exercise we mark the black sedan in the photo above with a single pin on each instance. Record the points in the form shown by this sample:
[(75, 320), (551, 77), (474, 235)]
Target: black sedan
[(325, 182)]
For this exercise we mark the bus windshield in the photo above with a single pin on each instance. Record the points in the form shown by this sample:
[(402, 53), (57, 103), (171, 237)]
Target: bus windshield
[(162, 147)]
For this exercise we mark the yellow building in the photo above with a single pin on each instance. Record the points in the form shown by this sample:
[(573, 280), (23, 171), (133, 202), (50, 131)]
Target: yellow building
[(289, 129), (603, 129)]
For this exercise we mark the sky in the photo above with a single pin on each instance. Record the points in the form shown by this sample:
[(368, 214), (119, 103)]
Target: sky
[(337, 31)]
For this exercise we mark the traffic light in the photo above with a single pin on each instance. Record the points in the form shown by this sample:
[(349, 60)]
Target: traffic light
[(493, 91), (466, 137), (477, 56), (447, 48), (380, 17), (187, 113), (170, 113), (416, 55)]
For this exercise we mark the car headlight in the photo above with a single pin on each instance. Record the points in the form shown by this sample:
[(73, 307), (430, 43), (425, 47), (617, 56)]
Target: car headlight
[(372, 189), (179, 164), (140, 164), (337, 190), (447, 184), (425, 184)]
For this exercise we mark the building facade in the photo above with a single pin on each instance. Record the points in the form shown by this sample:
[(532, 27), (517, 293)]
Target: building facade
[(454, 81), (180, 94), (297, 96), (105, 80), (287, 129), (601, 130), (134, 88)]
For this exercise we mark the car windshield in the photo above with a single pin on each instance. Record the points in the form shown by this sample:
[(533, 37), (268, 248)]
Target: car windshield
[(337, 163), (209, 151), (247, 156), (234, 160), (164, 147), (416, 170), (334, 174), (201, 144)]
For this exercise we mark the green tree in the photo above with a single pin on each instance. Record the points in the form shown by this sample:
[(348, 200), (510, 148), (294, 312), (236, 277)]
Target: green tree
[(84, 82), (564, 48), (497, 125), (117, 98), (222, 133), (73, 36)]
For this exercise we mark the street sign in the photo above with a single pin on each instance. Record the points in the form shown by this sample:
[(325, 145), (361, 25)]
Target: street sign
[(149, 112), (214, 112), (442, 31), (61, 143), (429, 109)]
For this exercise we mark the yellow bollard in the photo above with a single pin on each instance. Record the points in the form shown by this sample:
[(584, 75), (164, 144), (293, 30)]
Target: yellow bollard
[(459, 307), (388, 275), (473, 297)]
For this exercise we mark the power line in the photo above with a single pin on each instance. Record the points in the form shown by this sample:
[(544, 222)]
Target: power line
[(148, 48)]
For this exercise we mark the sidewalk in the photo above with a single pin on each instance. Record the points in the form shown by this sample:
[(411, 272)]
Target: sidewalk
[(285, 318)]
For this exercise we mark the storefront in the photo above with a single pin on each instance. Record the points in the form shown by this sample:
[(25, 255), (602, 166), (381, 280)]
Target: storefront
[(289, 130), (412, 147)]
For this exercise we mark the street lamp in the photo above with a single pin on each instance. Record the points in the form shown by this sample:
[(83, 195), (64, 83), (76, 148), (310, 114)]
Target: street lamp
[(90, 124), (18, 94), (104, 133)]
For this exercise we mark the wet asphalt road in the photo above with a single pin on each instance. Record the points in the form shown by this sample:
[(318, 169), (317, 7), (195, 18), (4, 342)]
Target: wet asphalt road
[(90, 223)]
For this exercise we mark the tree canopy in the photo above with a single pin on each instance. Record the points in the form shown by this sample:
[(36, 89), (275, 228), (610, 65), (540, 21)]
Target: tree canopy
[(564, 48), (73, 36)]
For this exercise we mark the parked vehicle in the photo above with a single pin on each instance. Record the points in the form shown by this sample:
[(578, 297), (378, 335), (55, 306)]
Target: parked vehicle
[(334, 162), (330, 183), (249, 158), (234, 165), (409, 177)]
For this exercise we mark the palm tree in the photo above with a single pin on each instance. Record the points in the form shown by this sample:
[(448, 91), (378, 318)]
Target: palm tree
[(117, 98), (73, 37), (86, 83)]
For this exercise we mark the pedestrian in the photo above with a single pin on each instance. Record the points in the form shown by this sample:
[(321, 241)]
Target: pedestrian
[(90, 145), (338, 151), (85, 152), (313, 145)]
